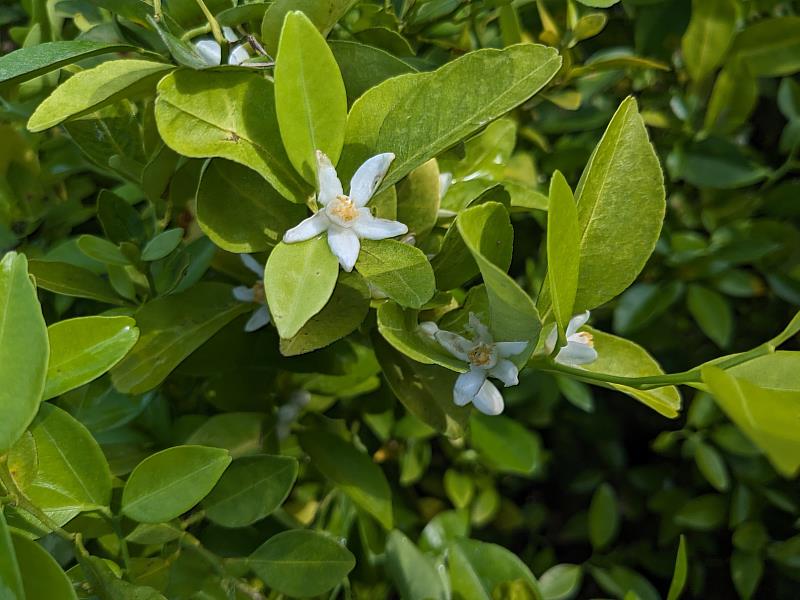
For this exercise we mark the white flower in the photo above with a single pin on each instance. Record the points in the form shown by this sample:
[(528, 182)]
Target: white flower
[(288, 413), (255, 294), (346, 218), (485, 358), (209, 49), (580, 345)]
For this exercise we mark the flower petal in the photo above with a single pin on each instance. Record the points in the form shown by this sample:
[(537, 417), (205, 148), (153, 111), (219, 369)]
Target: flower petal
[(229, 34), (489, 400), (238, 55), (371, 228), (455, 344), (577, 322), (467, 385), (327, 179), (209, 51), (576, 353), (506, 349), (368, 177), (345, 245), (445, 179), (308, 228), (506, 371), (252, 264), (258, 319), (244, 294), (479, 329), (428, 329)]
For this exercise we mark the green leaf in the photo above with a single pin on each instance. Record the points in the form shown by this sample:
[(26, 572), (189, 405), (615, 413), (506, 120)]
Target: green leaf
[(252, 488), (512, 313), (191, 122), (708, 36), (484, 85), (746, 571), (563, 249), (32, 61), (733, 98), (240, 433), (351, 471), (770, 47), (779, 371), (477, 568), (399, 270), (24, 349), (363, 67), (106, 584), (240, 211), (163, 244), (418, 199), (412, 572), (766, 416), (598, 3), (302, 563), (342, 314), (681, 573), (69, 280), (703, 513), (300, 279), (460, 488), (171, 328), (713, 314), (712, 466), (84, 348), (121, 222), (618, 356), (621, 207), (42, 577), (324, 14), (309, 96), (169, 483), (94, 88), (603, 517), (101, 250), (505, 444), (561, 582), (10, 576)]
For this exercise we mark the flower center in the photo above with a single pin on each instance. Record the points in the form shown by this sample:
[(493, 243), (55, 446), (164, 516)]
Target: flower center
[(586, 338), (481, 355), (344, 208), (258, 292)]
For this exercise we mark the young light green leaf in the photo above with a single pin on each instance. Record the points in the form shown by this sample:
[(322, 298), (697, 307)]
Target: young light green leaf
[(84, 348), (24, 349), (711, 464), (94, 88), (708, 36), (301, 280), (412, 572), (399, 270), (302, 563), (418, 199), (681, 572), (779, 371), (561, 582), (161, 245), (168, 483), (42, 576), (310, 98), (563, 249), (603, 517)]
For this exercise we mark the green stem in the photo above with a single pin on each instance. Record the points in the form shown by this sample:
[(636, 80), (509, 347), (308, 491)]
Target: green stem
[(216, 31), (159, 13)]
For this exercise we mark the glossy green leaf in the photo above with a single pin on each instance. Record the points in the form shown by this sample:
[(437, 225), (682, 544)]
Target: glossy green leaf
[(412, 572), (711, 464), (94, 88), (302, 563), (300, 280), (713, 314), (363, 67), (598, 3), (766, 416), (621, 207), (770, 47), (190, 122), (779, 370), (603, 517), (69, 280), (84, 348), (101, 250), (171, 328), (251, 488), (418, 199), (505, 444), (24, 349), (681, 572), (561, 582), (324, 14), (42, 577), (121, 222), (352, 471), (733, 98), (484, 85), (163, 244), (399, 270), (240, 211), (310, 98), (10, 576), (169, 483), (32, 61), (563, 249), (709, 35), (106, 583)]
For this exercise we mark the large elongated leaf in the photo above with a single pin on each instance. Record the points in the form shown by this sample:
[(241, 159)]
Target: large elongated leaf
[(323, 14), (621, 204), (413, 572), (230, 115), (10, 577), (67, 279), (709, 34), (563, 249), (417, 116), (770, 47), (24, 349), (171, 329), (92, 89), (400, 271), (42, 576)]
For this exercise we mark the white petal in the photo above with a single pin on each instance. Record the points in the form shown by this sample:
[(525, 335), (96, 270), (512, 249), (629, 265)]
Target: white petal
[(506, 371), (308, 228), (371, 228), (327, 180), (481, 331), (252, 264), (244, 294), (489, 400), (576, 353), (345, 245), (229, 34), (209, 50), (552, 339), (506, 349), (368, 177), (577, 322), (467, 385), (258, 319), (454, 343), (445, 179), (428, 329), (238, 55)]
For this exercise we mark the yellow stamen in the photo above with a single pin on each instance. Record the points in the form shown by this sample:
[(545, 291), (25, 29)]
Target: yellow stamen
[(480, 355), (344, 208), (586, 338), (259, 295)]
